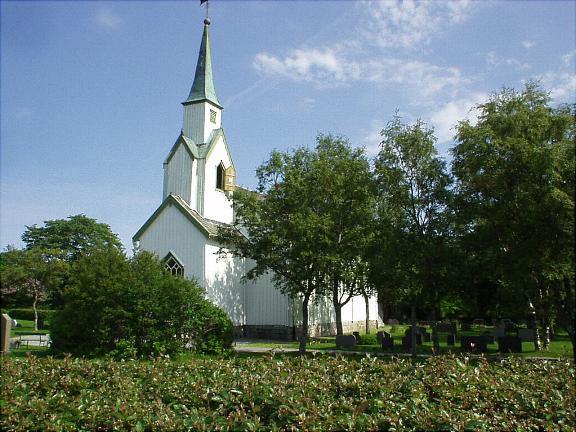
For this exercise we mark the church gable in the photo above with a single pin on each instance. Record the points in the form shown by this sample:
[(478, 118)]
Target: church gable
[(219, 172), (180, 171)]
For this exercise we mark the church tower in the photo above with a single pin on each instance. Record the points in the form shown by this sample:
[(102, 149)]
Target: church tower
[(199, 168), (202, 110)]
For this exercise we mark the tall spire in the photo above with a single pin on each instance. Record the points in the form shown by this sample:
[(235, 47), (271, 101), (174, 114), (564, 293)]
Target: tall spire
[(203, 86)]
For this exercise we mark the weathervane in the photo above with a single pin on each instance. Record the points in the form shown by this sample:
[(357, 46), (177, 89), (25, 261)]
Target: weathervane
[(207, 20)]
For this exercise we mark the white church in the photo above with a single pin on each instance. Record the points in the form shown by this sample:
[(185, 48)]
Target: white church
[(199, 184)]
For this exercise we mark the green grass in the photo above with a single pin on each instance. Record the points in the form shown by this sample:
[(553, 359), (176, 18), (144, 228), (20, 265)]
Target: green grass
[(560, 347), (27, 328)]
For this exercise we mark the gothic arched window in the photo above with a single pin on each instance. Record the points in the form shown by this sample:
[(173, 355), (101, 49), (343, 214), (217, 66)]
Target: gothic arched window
[(220, 174), (173, 266)]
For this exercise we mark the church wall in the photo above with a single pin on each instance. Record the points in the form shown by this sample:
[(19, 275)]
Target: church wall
[(179, 175), (266, 305), (172, 231), (217, 206), (223, 283)]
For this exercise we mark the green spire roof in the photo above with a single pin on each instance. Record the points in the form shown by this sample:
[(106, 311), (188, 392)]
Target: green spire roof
[(203, 86)]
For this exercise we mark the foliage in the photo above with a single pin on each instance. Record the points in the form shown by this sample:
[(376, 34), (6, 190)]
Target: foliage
[(283, 393), (515, 198), (73, 236), (411, 251), (28, 314), (27, 275), (132, 307)]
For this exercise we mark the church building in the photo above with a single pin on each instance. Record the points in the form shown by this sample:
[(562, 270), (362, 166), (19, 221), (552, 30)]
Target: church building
[(199, 184)]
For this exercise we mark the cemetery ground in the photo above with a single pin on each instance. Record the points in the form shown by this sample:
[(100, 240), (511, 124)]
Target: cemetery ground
[(285, 391)]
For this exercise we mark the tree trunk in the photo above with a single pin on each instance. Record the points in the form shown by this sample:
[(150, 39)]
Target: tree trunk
[(366, 302), (337, 306), (570, 314), (304, 334), (35, 313), (413, 330), (534, 325), (435, 335)]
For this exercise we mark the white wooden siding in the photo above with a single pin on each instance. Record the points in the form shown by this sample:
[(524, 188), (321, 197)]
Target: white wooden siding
[(266, 305), (217, 206), (223, 283), (197, 124), (172, 231), (179, 175)]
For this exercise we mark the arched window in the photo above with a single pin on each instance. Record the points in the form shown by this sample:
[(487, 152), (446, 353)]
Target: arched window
[(173, 266), (220, 174)]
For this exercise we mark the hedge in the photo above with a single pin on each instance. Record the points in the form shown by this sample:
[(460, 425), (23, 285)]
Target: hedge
[(287, 393), (28, 314)]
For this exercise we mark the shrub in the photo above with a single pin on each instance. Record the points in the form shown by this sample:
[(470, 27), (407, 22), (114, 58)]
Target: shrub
[(319, 393), (28, 314), (132, 307)]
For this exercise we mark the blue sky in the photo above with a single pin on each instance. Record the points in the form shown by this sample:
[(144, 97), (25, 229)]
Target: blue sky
[(91, 91)]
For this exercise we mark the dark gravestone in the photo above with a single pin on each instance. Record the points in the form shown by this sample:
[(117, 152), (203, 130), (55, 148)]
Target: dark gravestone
[(345, 341), (466, 325), (473, 344), (446, 328), (357, 337), (478, 322), (426, 337), (387, 341), (392, 322), (526, 334), (488, 337), (509, 344), (407, 334), (450, 340), (40, 323), (509, 326), (380, 336)]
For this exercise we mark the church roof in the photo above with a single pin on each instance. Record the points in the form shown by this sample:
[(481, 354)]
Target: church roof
[(203, 86), (208, 227)]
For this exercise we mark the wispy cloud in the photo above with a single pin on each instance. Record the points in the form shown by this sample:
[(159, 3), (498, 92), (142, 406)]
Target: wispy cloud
[(561, 82), (528, 44), (107, 18), (494, 60), (410, 23)]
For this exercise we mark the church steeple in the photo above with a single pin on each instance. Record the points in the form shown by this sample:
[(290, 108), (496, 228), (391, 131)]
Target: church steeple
[(202, 110), (203, 86)]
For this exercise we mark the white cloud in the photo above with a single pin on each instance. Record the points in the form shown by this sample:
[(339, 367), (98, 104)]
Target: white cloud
[(528, 44), (329, 68), (408, 23), (446, 118), (562, 85), (324, 67), (568, 59), (494, 60), (105, 17)]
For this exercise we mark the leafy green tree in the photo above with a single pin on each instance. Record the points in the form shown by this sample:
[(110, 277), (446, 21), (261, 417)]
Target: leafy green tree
[(67, 240), (28, 274), (133, 307), (414, 228), (515, 183), (343, 187), (280, 229)]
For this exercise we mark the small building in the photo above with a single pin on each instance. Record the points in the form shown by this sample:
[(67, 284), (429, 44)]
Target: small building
[(199, 184)]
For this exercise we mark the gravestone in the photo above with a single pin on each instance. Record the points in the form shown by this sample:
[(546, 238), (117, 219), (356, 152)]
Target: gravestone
[(473, 344), (5, 327), (509, 344), (526, 334), (450, 339), (478, 322), (426, 337), (499, 331), (357, 337), (392, 321), (380, 336), (446, 328), (345, 341), (466, 325), (386, 341), (509, 326), (488, 337)]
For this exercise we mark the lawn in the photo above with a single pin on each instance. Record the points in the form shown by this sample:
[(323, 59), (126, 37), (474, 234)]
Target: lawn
[(560, 347)]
